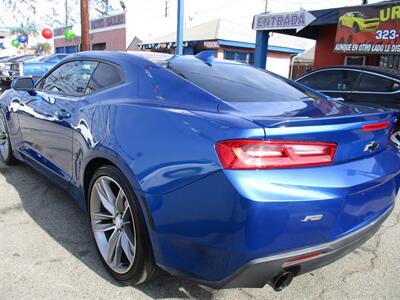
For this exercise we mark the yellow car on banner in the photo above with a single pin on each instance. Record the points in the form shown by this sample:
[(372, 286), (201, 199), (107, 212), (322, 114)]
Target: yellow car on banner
[(358, 21)]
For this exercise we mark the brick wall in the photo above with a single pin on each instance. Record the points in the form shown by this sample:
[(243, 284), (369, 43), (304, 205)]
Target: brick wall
[(115, 40)]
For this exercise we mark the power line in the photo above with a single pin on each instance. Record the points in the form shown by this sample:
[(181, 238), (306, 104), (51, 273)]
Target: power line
[(166, 9)]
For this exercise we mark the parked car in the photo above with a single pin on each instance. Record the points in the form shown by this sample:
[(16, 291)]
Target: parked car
[(3, 61), (369, 86), (214, 170), (358, 21), (37, 67), (4, 58), (11, 67)]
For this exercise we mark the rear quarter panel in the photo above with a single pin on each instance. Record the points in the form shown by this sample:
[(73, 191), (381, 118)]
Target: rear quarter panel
[(160, 145)]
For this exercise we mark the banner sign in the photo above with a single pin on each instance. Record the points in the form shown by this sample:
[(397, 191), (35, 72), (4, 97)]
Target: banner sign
[(291, 20), (109, 21), (370, 30), (210, 44)]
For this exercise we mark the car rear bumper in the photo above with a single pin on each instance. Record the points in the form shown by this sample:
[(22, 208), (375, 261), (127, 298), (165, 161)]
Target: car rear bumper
[(235, 228), (261, 271)]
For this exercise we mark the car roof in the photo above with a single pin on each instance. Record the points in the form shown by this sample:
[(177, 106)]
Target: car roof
[(121, 57), (38, 58), (152, 56), (10, 58), (388, 72), (22, 58)]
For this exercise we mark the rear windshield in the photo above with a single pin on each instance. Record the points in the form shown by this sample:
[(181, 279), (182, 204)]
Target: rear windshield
[(239, 82)]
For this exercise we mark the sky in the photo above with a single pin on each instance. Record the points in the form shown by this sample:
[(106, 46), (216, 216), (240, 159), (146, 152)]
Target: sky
[(146, 18)]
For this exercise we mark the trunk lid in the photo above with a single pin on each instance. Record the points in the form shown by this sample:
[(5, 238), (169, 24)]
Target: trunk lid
[(352, 192), (320, 121)]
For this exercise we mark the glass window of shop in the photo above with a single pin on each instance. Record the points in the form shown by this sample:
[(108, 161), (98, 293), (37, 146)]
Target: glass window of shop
[(243, 57), (390, 62)]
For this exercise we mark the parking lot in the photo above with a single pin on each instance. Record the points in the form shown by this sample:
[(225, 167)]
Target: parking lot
[(47, 253)]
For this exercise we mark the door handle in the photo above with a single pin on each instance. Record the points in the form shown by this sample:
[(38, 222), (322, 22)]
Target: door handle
[(62, 114)]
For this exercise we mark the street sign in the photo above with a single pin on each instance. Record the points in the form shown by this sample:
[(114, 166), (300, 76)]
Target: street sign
[(290, 20)]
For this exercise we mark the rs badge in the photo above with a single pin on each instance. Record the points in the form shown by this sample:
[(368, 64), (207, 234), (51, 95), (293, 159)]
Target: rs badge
[(312, 218)]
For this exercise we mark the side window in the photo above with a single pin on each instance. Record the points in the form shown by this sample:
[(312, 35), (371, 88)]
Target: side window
[(106, 75), (331, 80), (311, 81), (376, 83), (348, 80), (70, 78)]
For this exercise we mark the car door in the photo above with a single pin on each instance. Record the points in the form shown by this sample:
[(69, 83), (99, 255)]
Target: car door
[(47, 118), (377, 90)]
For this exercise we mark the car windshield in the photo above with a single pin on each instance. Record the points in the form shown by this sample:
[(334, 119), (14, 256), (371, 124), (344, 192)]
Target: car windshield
[(5, 58), (360, 15), (234, 82), (23, 58), (39, 58)]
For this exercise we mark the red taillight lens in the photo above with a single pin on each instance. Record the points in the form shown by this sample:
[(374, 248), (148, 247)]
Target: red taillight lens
[(376, 126), (255, 154)]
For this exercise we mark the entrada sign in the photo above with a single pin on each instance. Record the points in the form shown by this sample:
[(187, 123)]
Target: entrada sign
[(290, 20), (369, 30)]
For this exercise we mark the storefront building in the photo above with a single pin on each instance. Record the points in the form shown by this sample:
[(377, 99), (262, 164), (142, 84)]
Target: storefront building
[(232, 42), (358, 35), (107, 33)]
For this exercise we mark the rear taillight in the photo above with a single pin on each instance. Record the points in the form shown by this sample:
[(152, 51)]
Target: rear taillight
[(376, 126), (247, 154)]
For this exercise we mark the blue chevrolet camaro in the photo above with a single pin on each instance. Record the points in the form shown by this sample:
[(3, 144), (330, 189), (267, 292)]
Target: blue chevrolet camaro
[(213, 170)]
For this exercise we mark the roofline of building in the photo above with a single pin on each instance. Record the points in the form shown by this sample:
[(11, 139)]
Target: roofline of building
[(327, 17), (240, 45), (253, 45), (322, 12)]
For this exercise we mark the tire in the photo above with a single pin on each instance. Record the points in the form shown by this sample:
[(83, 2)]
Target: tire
[(6, 152), (134, 263), (356, 28)]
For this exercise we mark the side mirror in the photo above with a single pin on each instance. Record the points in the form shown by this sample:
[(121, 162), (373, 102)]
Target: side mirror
[(23, 84)]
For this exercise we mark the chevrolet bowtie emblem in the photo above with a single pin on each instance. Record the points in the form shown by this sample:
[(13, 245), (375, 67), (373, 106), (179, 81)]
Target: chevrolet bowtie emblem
[(372, 147)]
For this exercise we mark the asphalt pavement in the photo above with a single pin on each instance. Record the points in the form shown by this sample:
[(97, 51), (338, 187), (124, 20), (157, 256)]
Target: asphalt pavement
[(47, 252)]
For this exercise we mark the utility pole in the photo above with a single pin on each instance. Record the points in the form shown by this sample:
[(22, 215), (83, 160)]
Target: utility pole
[(166, 9), (179, 31), (85, 43), (66, 12)]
